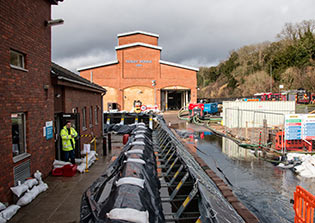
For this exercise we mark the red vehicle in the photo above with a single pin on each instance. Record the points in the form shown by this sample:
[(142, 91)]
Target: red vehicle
[(196, 108), (293, 145), (271, 96)]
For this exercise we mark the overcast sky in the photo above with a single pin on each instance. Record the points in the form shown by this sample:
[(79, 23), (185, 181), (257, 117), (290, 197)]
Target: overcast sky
[(192, 32)]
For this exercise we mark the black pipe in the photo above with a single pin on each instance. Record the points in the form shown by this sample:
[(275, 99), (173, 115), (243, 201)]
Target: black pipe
[(109, 135), (104, 146)]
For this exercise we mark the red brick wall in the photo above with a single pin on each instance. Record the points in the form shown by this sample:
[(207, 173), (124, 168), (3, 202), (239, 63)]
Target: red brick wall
[(123, 40), (22, 28), (124, 75), (76, 98)]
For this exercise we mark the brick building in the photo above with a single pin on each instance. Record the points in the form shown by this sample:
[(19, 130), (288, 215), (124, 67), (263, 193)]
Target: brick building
[(78, 100), (138, 73), (26, 92)]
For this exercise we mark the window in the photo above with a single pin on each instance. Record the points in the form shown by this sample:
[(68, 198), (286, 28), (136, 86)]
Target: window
[(84, 118), (17, 60), (91, 116), (18, 134), (96, 115)]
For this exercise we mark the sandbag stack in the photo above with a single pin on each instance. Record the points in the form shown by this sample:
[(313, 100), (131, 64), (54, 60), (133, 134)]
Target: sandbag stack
[(129, 189)]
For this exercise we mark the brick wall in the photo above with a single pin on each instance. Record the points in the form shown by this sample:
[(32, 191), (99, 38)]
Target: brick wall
[(123, 40), (125, 75), (22, 28), (76, 98)]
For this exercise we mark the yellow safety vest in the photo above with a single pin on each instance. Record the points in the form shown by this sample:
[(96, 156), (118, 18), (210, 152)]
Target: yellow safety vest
[(66, 143)]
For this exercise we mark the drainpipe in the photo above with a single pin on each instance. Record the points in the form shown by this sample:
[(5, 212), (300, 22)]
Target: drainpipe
[(102, 112)]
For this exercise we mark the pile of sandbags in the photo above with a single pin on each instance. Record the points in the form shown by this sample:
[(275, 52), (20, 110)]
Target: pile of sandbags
[(307, 166), (26, 192), (91, 159), (7, 212)]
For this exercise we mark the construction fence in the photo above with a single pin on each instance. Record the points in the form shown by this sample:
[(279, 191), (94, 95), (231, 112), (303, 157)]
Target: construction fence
[(254, 125)]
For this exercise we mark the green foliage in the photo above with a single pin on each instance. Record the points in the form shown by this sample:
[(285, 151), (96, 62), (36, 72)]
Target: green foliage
[(295, 49)]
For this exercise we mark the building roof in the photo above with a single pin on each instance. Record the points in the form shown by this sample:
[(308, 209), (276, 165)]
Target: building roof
[(138, 44), (55, 2), (138, 32), (178, 65), (63, 74), (98, 65)]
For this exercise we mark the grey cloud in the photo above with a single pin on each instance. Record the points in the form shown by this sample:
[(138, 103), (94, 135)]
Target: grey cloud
[(200, 32)]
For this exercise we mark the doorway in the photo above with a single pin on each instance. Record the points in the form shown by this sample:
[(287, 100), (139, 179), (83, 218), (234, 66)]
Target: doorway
[(174, 99), (60, 121)]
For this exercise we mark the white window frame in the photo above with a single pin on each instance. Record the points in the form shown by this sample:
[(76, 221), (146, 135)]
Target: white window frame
[(23, 155), (21, 57)]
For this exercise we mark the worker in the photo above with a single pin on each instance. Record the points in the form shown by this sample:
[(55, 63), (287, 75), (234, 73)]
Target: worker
[(68, 135)]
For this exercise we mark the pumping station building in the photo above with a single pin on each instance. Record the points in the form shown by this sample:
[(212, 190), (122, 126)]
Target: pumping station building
[(138, 73)]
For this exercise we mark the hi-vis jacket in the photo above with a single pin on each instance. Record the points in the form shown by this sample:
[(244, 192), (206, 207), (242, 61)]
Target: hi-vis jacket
[(66, 143)]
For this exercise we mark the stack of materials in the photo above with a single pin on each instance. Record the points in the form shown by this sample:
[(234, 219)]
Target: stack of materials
[(129, 190), (26, 193)]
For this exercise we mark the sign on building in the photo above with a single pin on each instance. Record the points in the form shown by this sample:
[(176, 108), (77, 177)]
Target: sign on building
[(300, 126), (49, 130)]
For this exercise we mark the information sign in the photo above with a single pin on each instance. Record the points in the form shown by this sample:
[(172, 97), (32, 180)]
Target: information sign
[(309, 127), (49, 130), (293, 127)]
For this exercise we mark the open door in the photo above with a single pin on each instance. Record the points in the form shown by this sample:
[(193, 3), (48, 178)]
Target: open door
[(60, 122)]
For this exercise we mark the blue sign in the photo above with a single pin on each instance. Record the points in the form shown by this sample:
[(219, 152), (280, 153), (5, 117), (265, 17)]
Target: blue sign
[(49, 130)]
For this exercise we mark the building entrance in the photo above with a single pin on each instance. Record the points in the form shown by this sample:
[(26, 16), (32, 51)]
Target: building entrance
[(174, 99), (60, 121)]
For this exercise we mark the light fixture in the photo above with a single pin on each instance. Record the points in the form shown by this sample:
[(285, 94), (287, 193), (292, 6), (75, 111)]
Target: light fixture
[(54, 22)]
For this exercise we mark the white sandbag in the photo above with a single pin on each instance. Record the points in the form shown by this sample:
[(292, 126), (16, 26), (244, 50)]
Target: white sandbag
[(129, 214), (2, 206), (137, 143), (25, 199), (91, 160), (34, 192), (139, 136), (139, 132), (130, 180), (2, 220), (134, 151), (19, 190), (10, 211), (134, 160), (30, 183), (38, 175), (59, 163), (42, 187)]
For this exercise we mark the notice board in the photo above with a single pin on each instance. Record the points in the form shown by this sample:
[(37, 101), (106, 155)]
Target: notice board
[(300, 126)]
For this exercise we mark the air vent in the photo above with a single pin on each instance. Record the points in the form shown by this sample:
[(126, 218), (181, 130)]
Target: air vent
[(22, 172)]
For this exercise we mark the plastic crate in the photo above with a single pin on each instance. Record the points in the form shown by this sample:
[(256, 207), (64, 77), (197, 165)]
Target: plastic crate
[(57, 171), (69, 170)]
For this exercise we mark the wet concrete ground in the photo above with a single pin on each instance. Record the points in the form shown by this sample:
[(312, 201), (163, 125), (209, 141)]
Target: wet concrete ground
[(174, 122), (61, 202)]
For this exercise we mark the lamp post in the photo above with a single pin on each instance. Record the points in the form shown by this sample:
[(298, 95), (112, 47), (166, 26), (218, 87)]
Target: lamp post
[(153, 85)]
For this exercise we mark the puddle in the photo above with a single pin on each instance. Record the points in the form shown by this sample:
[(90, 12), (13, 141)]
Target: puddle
[(263, 187)]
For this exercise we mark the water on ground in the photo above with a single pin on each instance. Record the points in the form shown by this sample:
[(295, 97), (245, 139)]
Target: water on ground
[(264, 188)]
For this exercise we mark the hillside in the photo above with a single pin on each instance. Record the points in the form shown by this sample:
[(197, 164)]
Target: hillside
[(290, 61)]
